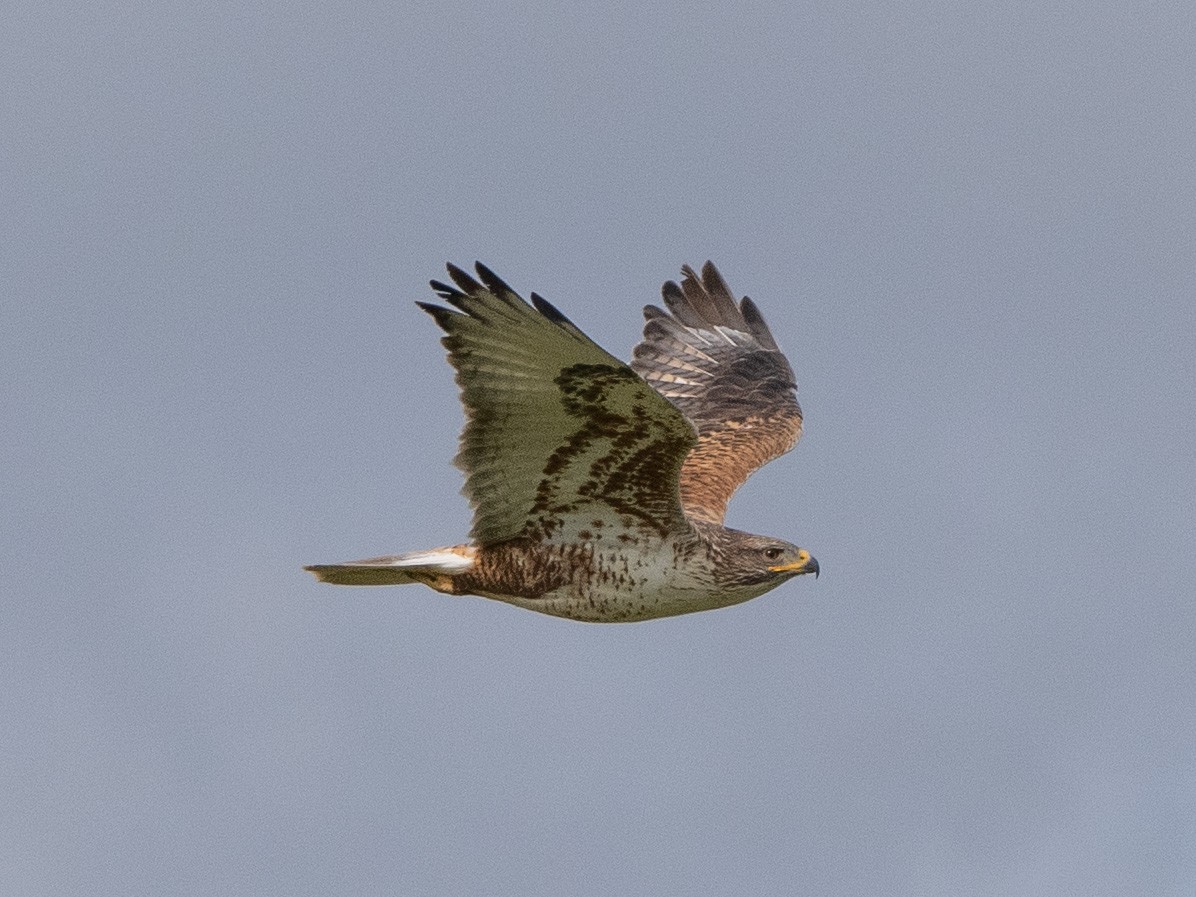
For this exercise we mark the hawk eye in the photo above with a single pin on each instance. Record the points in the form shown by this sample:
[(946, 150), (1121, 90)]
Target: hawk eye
[(773, 553)]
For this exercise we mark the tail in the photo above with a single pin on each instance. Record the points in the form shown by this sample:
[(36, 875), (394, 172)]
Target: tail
[(435, 568)]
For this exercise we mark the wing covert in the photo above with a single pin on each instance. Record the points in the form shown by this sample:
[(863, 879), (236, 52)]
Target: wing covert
[(716, 361), (558, 431)]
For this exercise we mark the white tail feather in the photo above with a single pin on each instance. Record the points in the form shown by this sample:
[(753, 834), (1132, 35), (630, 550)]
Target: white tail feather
[(442, 560), (418, 566)]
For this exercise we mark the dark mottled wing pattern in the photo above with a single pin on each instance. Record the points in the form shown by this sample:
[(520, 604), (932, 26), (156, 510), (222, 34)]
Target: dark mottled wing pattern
[(717, 362), (558, 432)]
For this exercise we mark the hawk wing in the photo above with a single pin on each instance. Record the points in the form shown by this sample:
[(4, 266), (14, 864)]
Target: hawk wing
[(717, 362), (558, 432)]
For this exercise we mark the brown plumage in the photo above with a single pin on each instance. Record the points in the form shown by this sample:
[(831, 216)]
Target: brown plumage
[(599, 488), (717, 362)]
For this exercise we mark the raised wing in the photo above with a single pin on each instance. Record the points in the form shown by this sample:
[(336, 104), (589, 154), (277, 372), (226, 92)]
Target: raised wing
[(717, 362), (558, 432)]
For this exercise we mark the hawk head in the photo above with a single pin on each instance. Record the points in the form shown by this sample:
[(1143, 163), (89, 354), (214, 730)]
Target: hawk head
[(748, 560)]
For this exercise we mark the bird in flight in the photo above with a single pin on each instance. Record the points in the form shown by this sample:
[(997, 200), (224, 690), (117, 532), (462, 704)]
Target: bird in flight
[(599, 488)]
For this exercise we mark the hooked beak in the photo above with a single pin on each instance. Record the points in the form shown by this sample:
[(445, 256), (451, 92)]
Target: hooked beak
[(805, 563)]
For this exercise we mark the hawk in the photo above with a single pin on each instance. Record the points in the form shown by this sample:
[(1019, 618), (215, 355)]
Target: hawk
[(599, 488)]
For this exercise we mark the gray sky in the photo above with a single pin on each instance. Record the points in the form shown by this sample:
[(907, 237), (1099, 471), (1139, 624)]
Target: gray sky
[(970, 226)]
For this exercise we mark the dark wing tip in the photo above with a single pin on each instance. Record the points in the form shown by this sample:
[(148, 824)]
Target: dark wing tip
[(550, 311), (677, 302), (713, 281), (443, 316), (443, 290), (756, 324), (470, 295), (706, 301), (493, 282), (465, 283), (708, 298), (710, 272), (721, 299)]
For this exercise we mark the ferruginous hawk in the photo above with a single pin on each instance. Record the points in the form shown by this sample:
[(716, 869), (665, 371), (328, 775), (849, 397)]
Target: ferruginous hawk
[(599, 488)]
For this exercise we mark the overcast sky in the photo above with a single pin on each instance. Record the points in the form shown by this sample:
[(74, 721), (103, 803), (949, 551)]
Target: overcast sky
[(970, 226)]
